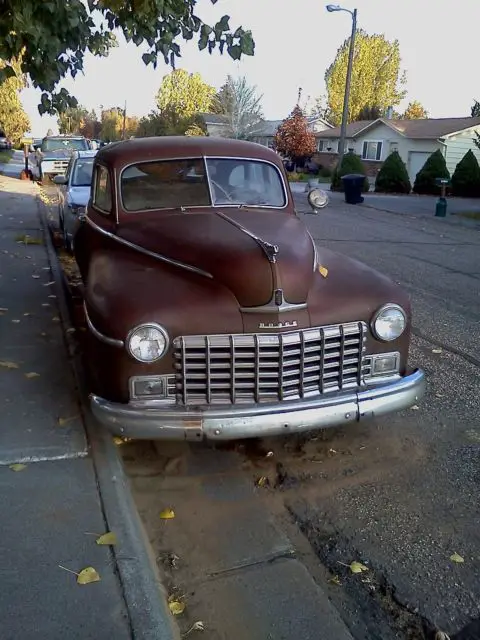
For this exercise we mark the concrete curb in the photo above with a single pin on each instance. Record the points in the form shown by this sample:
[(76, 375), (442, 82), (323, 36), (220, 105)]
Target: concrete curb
[(143, 592)]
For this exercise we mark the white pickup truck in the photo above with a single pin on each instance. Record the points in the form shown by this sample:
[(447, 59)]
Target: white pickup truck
[(51, 158)]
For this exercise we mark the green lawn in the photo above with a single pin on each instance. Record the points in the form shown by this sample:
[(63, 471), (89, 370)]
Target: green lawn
[(5, 156)]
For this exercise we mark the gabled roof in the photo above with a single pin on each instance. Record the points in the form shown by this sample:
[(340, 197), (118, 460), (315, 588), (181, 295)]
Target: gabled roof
[(430, 128), (213, 118)]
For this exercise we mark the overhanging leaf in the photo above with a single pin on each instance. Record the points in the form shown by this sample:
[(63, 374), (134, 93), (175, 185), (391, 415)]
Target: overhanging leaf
[(108, 538)]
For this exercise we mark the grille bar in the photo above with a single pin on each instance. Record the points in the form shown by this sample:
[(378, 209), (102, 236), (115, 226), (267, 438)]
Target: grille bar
[(254, 368)]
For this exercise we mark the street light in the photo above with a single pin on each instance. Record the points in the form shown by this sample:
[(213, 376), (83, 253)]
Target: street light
[(343, 130)]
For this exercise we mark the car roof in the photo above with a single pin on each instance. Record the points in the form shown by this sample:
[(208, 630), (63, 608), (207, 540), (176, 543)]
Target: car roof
[(91, 153), (172, 147)]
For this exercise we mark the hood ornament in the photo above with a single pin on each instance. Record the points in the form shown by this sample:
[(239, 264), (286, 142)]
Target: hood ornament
[(270, 250)]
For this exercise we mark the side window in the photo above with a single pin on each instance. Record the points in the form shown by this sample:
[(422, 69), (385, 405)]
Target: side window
[(103, 190)]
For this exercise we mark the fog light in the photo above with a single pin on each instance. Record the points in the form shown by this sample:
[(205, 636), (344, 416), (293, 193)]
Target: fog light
[(385, 364), (149, 387)]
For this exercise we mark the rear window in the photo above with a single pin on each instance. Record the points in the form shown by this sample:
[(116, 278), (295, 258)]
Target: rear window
[(169, 184)]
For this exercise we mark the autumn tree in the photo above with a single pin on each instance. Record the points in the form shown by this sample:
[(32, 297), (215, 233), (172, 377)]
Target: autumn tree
[(370, 113), (241, 107), (91, 127), (293, 137), (56, 35), (377, 79), (14, 122), (112, 125), (414, 111), (72, 120)]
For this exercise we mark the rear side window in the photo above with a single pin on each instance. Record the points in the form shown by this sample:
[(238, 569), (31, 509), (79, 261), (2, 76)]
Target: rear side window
[(103, 189)]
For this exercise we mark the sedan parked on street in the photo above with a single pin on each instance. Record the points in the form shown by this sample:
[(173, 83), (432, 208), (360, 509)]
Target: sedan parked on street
[(74, 193)]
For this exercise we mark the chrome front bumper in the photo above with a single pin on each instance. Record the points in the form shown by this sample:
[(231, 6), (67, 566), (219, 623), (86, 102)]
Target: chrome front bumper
[(151, 421)]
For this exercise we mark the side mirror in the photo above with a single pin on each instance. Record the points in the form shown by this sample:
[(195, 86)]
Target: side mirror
[(60, 180), (317, 199)]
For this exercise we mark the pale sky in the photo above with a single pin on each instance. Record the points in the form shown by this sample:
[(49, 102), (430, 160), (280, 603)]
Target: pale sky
[(295, 43)]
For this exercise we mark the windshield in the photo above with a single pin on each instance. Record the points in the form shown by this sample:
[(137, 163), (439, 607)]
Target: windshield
[(245, 182), (82, 172), (55, 144), (172, 184)]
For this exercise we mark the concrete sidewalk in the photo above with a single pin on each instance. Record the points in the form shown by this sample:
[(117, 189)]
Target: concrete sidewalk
[(53, 505)]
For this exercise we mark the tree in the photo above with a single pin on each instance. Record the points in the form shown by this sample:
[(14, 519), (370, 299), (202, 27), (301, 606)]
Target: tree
[(393, 176), (184, 94), (414, 111), (369, 113), (91, 127), (293, 137), (157, 124), (434, 167), (376, 76), (54, 37), (475, 110), (241, 106), (72, 120), (14, 122), (466, 177), (351, 163)]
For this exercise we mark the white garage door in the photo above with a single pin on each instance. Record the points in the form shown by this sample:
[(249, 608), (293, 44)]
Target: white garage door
[(415, 162)]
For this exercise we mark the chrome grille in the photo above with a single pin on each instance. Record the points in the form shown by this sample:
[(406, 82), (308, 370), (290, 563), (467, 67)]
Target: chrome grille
[(251, 368)]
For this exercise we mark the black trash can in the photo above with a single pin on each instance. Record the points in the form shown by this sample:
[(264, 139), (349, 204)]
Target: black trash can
[(352, 186)]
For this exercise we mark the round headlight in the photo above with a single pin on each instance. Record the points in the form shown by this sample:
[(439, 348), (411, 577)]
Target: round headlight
[(317, 199), (147, 342), (389, 322)]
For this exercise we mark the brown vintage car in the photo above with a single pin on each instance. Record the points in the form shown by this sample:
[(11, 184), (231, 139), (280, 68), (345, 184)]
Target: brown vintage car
[(212, 314)]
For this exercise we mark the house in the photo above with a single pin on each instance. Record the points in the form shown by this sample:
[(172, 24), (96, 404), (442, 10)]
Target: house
[(415, 141), (216, 124)]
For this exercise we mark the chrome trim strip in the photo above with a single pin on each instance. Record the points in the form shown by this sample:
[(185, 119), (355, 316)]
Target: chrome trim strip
[(146, 252), (149, 420), (271, 307), (113, 342), (315, 252)]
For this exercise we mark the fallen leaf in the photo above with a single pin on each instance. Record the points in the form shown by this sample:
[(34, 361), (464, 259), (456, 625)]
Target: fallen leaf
[(455, 557), (49, 284), (32, 374), (335, 580), (36, 277), (107, 538), (87, 575), (167, 514), (18, 466), (16, 321), (55, 319), (357, 567), (52, 296), (415, 407), (196, 626), (45, 304), (441, 635), (439, 395), (176, 607), (63, 421), (70, 330), (437, 350), (27, 314), (3, 310), (8, 365), (262, 482), (323, 271), (269, 454)]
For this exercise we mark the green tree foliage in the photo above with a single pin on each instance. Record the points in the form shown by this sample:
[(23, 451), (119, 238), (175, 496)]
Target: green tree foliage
[(414, 111), (241, 106), (72, 120), (157, 124), (466, 177), (14, 122), (434, 167), (112, 125), (377, 79), (351, 163), (183, 94), (370, 113), (294, 138), (393, 176), (53, 37), (91, 126)]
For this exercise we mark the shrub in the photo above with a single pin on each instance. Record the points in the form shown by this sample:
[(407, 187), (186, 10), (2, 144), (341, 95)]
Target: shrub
[(466, 177), (351, 163), (393, 176), (435, 167), (325, 172)]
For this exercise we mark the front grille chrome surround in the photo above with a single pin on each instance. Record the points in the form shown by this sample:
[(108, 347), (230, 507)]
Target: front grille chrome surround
[(273, 367)]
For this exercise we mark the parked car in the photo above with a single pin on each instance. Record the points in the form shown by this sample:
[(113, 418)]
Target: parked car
[(5, 143), (74, 193), (53, 155), (211, 312)]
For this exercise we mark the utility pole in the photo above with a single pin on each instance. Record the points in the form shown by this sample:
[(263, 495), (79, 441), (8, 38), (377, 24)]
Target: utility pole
[(124, 120)]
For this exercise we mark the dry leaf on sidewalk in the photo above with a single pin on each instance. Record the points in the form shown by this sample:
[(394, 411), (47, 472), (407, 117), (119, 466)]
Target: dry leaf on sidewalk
[(8, 365), (108, 538), (87, 575), (455, 557), (32, 374), (335, 580), (167, 514), (355, 567), (176, 607), (63, 421), (18, 466), (196, 626)]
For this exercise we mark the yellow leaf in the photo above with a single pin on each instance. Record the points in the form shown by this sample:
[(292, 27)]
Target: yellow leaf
[(323, 271), (262, 482), (107, 538), (455, 557), (335, 580), (167, 514), (63, 421), (437, 350), (176, 607), (8, 365), (15, 321), (87, 575), (18, 466), (357, 567), (32, 374)]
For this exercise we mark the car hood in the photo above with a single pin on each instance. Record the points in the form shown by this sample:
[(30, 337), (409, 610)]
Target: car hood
[(59, 153), (79, 195), (227, 244)]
